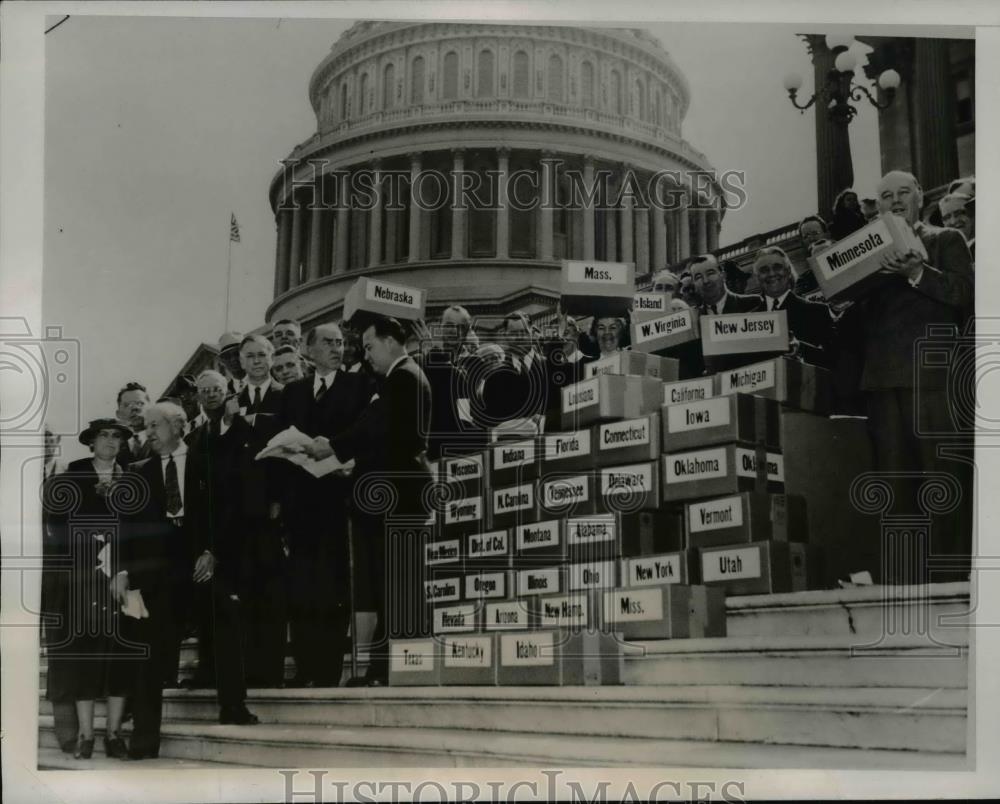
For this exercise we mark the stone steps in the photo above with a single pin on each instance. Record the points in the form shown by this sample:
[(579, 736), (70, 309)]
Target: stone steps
[(51, 758)]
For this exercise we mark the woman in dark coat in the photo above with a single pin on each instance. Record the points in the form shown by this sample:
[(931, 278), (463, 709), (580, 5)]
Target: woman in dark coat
[(86, 660)]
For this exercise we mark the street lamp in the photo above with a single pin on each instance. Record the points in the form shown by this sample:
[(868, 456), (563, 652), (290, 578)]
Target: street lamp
[(839, 88)]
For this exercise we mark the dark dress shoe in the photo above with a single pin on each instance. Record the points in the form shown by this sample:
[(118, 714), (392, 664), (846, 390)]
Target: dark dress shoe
[(84, 748), (238, 717), (137, 755), (356, 681), (378, 682), (115, 747)]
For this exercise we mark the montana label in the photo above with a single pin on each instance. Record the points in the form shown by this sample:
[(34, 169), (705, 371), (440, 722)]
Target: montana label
[(537, 535)]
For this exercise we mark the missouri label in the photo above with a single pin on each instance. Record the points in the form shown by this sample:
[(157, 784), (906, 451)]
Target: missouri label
[(467, 510), (412, 657), (441, 552), (726, 512), (624, 480), (527, 650), (676, 393), (701, 465), (652, 570), (507, 615), (467, 651), (698, 415), (513, 498), (560, 446), (727, 565), (393, 294), (633, 605), (569, 611), (581, 395), (590, 530), (619, 435), (748, 379), (746, 465), (538, 582)]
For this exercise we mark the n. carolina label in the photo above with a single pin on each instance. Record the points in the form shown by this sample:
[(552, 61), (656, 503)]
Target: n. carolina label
[(527, 650), (628, 433), (746, 465), (486, 584), (622, 480), (537, 535), (510, 614), (454, 618), (726, 512), (441, 552), (494, 543), (442, 590), (467, 651), (467, 510), (653, 570), (562, 612), (513, 498), (538, 582), (609, 273), (676, 393), (592, 575), (412, 657), (698, 415), (681, 321), (567, 445), (392, 294), (581, 395), (566, 490), (590, 530), (727, 565), (748, 379), (507, 456), (633, 605), (701, 465), (468, 467)]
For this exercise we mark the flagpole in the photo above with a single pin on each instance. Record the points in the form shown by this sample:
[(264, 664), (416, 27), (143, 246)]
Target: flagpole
[(229, 273)]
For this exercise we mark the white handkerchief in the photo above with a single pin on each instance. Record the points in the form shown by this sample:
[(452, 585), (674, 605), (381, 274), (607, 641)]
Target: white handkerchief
[(135, 606)]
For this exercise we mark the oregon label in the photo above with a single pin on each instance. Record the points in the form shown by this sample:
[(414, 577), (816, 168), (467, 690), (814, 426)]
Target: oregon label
[(486, 584)]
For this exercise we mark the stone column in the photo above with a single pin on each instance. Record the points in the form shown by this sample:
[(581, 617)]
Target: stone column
[(642, 241), (458, 213), (375, 218), (934, 118), (611, 221), (834, 166), (298, 219), (503, 209), (415, 211), (281, 252), (588, 208), (343, 223), (684, 236), (659, 237), (700, 233), (315, 236), (628, 232), (713, 229), (546, 250)]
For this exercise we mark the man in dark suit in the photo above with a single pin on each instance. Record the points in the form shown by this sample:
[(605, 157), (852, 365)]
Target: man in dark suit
[(809, 323), (314, 511), (518, 387), (178, 544), (132, 401), (389, 443), (717, 299)]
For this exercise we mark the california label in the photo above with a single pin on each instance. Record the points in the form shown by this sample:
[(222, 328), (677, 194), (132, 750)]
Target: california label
[(608, 273), (748, 379), (506, 456), (562, 612), (467, 651), (567, 445), (746, 465), (681, 321), (675, 393), (486, 584), (652, 570), (698, 415), (590, 530), (701, 465), (566, 490), (633, 605), (592, 576), (467, 510), (412, 657), (468, 467), (537, 534), (581, 395), (735, 564), (454, 618), (509, 614), (538, 582), (442, 590), (494, 543), (649, 303), (393, 294), (622, 480), (854, 248), (441, 552), (715, 514), (629, 433), (527, 650), (513, 498), (742, 326)]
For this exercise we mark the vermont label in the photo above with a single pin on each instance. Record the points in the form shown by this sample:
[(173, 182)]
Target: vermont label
[(746, 465), (591, 530), (633, 605), (506, 615), (467, 510), (467, 467), (749, 379), (537, 535), (652, 570), (698, 415), (527, 650), (538, 582), (676, 393), (592, 575), (629, 433), (441, 552), (494, 543), (486, 585), (726, 512), (700, 465), (454, 618), (569, 611), (442, 590), (624, 480), (581, 395), (565, 491), (473, 651), (513, 498), (559, 446), (511, 455), (727, 565), (412, 657)]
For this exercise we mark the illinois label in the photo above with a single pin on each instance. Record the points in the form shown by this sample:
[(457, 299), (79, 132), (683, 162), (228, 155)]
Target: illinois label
[(727, 565), (603, 273), (441, 552), (559, 446), (538, 582), (393, 294), (652, 570), (726, 512), (537, 535), (442, 590), (592, 575), (698, 415), (412, 657), (454, 618), (676, 393), (513, 498), (629, 433), (590, 530), (467, 510), (625, 480), (701, 465), (748, 379), (672, 324), (566, 490), (467, 651), (486, 585), (494, 543), (581, 395), (468, 467), (527, 650), (507, 615), (633, 605), (507, 456), (746, 465), (563, 612)]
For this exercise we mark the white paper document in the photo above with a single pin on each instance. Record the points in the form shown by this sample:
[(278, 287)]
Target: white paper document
[(289, 445)]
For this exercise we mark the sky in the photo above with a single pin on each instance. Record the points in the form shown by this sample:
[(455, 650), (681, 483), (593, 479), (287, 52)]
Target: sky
[(157, 129)]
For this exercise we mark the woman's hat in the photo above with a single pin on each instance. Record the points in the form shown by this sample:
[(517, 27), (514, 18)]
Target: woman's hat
[(90, 433)]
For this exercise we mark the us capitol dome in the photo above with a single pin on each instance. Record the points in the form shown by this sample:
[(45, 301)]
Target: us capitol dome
[(508, 100)]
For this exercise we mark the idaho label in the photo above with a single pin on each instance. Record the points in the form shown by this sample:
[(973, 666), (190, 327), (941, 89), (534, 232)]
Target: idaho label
[(527, 650), (726, 512), (728, 565)]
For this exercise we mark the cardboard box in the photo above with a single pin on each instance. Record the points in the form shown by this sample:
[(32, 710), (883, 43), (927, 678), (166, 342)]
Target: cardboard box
[(488, 550), (627, 363), (510, 615), (744, 518), (654, 612), (369, 297), (491, 585), (608, 397), (721, 420), (414, 663), (760, 568), (627, 441), (650, 305), (848, 268), (570, 611), (560, 658), (593, 538), (538, 543), (468, 660), (708, 611), (646, 533), (514, 430), (443, 588), (664, 369), (597, 288), (467, 473), (631, 488), (446, 553), (458, 618), (665, 332), (743, 333), (716, 471), (512, 505), (514, 462), (566, 495), (567, 451), (460, 517), (679, 393), (590, 575), (682, 566), (791, 382), (540, 581), (806, 565)]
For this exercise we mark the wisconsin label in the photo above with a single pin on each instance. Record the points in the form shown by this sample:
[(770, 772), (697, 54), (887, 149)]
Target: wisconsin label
[(469, 467), (727, 565), (467, 510), (633, 605), (591, 530), (675, 393), (562, 612), (581, 395), (746, 465), (392, 294), (527, 650), (537, 535), (629, 433), (699, 465), (627, 480), (748, 379), (538, 582), (673, 324), (567, 445), (653, 570), (726, 512), (698, 415), (467, 651), (513, 498), (412, 657)]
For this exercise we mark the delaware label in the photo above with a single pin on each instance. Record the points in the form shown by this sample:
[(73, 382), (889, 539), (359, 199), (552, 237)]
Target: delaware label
[(748, 379), (727, 565), (701, 465), (715, 514), (622, 480), (567, 445), (527, 650), (698, 415), (412, 657)]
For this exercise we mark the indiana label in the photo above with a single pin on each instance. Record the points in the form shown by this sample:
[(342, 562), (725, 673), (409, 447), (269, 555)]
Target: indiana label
[(513, 498), (467, 510), (728, 565), (566, 490), (746, 465), (412, 657), (605, 273), (393, 294), (681, 321), (563, 612), (468, 467), (494, 543), (454, 618), (619, 435), (698, 415), (701, 465), (590, 530), (441, 552), (726, 512), (527, 650), (623, 480), (652, 570), (467, 651), (508, 615), (633, 605), (442, 590), (486, 585), (538, 582), (676, 393), (581, 395), (559, 446), (537, 535), (507, 456), (591, 576), (748, 379)]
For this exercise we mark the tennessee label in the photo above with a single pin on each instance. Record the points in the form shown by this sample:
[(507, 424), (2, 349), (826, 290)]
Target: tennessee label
[(441, 552), (537, 535), (538, 582), (725, 328), (698, 415), (591, 576), (562, 612), (486, 584), (442, 590), (513, 498), (701, 465), (681, 321), (567, 445), (853, 249), (581, 395), (566, 490), (393, 294), (746, 465), (590, 530), (527, 650), (509, 614), (467, 651), (726, 512), (633, 605), (748, 379), (629, 433), (726, 565), (676, 393), (606, 273), (412, 657), (467, 510), (454, 618), (494, 543), (621, 480), (468, 467), (508, 456), (652, 570)]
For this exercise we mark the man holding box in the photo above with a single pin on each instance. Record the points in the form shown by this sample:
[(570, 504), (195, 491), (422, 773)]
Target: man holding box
[(715, 297)]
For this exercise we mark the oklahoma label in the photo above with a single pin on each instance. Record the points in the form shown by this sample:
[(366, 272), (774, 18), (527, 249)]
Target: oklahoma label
[(701, 465), (746, 465)]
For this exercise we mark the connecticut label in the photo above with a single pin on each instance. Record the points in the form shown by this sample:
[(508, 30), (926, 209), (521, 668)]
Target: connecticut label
[(629, 433)]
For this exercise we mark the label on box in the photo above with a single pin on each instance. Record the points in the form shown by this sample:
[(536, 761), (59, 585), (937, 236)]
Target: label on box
[(566, 491), (563, 612), (744, 332), (442, 590), (509, 614), (701, 465), (633, 605), (749, 379), (441, 552), (854, 248), (735, 564), (387, 293), (468, 467), (581, 395), (467, 510), (619, 435), (538, 581), (650, 303), (676, 393), (590, 530), (672, 324), (625, 480), (486, 584), (601, 273), (494, 543), (698, 415), (652, 570), (726, 512), (527, 650), (473, 651), (594, 575), (559, 446), (412, 657), (746, 465), (508, 456), (454, 618), (625, 363), (537, 535), (513, 498)]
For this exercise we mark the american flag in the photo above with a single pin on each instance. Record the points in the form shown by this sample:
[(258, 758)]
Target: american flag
[(234, 229)]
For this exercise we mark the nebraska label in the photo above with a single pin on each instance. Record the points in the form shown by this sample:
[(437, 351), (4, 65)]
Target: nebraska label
[(682, 321), (713, 413), (514, 498), (696, 465), (527, 650), (629, 433), (727, 565), (749, 378), (412, 657), (567, 445), (467, 652), (582, 395), (611, 273), (627, 480), (392, 294), (715, 514)]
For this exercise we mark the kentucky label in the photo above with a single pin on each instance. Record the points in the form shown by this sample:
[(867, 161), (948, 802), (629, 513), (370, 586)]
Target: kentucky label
[(676, 393), (441, 552), (563, 612), (681, 321), (467, 510), (652, 570), (494, 543), (567, 445), (454, 618), (508, 456), (467, 651), (746, 465), (649, 303), (581, 395), (510, 614), (538, 582), (591, 576), (486, 584), (622, 480), (742, 327), (566, 490), (712, 413), (748, 379), (412, 657), (442, 590), (607, 273), (590, 530), (633, 605), (513, 498), (527, 650), (715, 514), (854, 248), (392, 294), (700, 465), (728, 565), (629, 433), (537, 535), (468, 467)]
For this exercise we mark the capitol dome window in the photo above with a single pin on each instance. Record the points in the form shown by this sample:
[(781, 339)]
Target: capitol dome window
[(555, 93), (523, 206), (484, 87), (616, 100), (389, 87), (363, 95), (449, 86), (343, 101), (587, 84), (522, 75), (640, 93), (482, 209), (417, 81)]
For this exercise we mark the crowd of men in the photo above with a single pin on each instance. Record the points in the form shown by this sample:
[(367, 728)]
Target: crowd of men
[(245, 552)]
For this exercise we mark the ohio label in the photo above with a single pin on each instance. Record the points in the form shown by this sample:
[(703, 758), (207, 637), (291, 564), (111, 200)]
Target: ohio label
[(508, 456), (591, 576), (726, 512), (633, 605), (629, 433), (676, 393), (486, 585), (581, 395), (441, 552), (494, 543), (725, 565), (467, 651), (590, 530), (442, 590), (623, 480), (652, 570), (393, 294), (412, 657), (746, 465), (537, 535), (609, 273), (699, 465), (509, 614), (468, 467), (742, 327), (538, 582), (527, 650), (698, 415), (513, 498), (454, 618), (563, 612), (467, 510), (748, 379), (566, 490), (567, 445), (681, 321)]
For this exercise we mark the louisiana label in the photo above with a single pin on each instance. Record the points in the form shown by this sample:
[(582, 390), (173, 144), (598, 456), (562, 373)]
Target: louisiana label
[(700, 465), (412, 657), (560, 446), (581, 395), (677, 393), (569, 611), (652, 570), (698, 415), (726, 512), (527, 650), (728, 565), (467, 651)]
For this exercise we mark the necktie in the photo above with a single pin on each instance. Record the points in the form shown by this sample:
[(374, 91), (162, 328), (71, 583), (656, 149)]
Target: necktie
[(715, 309), (256, 399), (136, 446), (173, 488), (774, 305), (322, 388)]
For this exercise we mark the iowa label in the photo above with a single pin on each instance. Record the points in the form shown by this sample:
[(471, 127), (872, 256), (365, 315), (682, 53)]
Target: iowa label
[(698, 415)]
